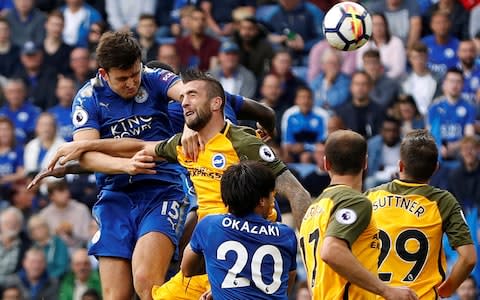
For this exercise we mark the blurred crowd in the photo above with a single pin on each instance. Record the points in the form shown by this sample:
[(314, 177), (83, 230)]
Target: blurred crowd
[(420, 69)]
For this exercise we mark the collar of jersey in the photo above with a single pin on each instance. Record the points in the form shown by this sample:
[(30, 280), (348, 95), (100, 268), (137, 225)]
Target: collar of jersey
[(408, 183), (332, 186)]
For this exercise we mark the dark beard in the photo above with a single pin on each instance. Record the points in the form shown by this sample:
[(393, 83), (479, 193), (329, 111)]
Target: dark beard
[(200, 121)]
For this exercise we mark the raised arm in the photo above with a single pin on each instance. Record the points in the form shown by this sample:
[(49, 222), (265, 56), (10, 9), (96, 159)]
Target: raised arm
[(287, 185), (253, 110)]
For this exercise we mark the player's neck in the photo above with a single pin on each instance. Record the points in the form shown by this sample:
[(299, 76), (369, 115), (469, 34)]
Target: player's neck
[(353, 181), (212, 128)]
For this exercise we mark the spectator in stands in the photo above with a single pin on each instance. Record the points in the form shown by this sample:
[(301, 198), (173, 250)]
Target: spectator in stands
[(19, 110), (11, 159), (302, 127), (56, 51), (391, 48), (451, 117), (197, 49), (39, 78), (124, 14), (282, 68), (458, 15), (13, 242), (12, 292), (91, 294), (442, 46), (79, 16), (468, 289), (408, 114), (181, 17), (56, 252), (471, 71), (474, 26), (420, 83), (235, 78), (464, 181), (9, 52), (385, 90), (271, 92), (383, 154), (293, 26), (146, 29), (33, 278), (40, 150), (167, 54), (26, 23), (335, 123), (80, 279), (5, 5), (403, 17), (62, 111), (330, 85), (96, 31), (315, 66), (67, 217), (219, 14), (360, 113), (319, 179), (255, 51), (79, 63)]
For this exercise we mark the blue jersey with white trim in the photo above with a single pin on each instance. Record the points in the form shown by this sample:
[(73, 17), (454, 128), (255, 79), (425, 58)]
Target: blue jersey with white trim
[(247, 257), (144, 117)]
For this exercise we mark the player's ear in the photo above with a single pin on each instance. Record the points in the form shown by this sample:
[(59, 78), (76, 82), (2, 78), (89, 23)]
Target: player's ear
[(103, 73), (216, 104), (401, 166), (326, 164), (365, 164)]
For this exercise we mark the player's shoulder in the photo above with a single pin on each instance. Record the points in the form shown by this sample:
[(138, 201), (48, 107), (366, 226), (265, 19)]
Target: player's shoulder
[(340, 193), (157, 75)]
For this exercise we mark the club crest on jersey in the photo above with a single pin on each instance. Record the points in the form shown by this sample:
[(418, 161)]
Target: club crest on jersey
[(266, 153), (141, 96), (461, 111), (219, 161), (345, 216), (22, 116), (80, 117)]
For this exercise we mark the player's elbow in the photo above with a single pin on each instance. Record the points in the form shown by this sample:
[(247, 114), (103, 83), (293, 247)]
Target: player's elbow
[(468, 257), (328, 251)]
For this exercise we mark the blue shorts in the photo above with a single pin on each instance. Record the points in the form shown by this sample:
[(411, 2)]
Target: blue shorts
[(189, 203), (124, 216)]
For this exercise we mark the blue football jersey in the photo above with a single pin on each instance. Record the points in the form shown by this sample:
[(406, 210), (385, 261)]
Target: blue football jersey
[(246, 258), (233, 104), (63, 116), (307, 129), (24, 120), (441, 57), (447, 121), (471, 84), (144, 117), (10, 161)]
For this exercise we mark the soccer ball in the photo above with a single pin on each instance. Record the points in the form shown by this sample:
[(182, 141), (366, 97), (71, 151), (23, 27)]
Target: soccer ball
[(347, 26)]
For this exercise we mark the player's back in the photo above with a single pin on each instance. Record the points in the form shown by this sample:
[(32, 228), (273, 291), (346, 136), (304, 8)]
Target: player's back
[(411, 218), (336, 212), (249, 257)]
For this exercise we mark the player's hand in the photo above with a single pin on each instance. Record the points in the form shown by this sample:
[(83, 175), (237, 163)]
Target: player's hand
[(207, 295), (264, 135), (445, 289), (399, 293), (192, 144), (57, 172), (67, 152), (140, 163)]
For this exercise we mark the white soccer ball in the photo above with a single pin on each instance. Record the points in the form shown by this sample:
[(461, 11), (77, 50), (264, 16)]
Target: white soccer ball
[(347, 26)]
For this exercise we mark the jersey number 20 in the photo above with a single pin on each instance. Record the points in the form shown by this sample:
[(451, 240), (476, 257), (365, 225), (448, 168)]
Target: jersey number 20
[(233, 281)]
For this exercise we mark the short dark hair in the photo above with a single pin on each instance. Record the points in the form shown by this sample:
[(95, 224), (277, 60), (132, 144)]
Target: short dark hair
[(454, 70), (56, 13), (364, 73), (92, 293), (214, 87), (244, 184), (303, 88), (5, 20), (118, 50), (419, 155), (389, 119), (147, 17), (346, 151), (371, 53), (57, 185), (156, 64)]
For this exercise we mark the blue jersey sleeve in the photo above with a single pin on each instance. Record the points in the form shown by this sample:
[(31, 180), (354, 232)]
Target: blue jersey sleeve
[(85, 110), (289, 132), (199, 236), (236, 101), (19, 158), (160, 81), (471, 114), (175, 114)]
